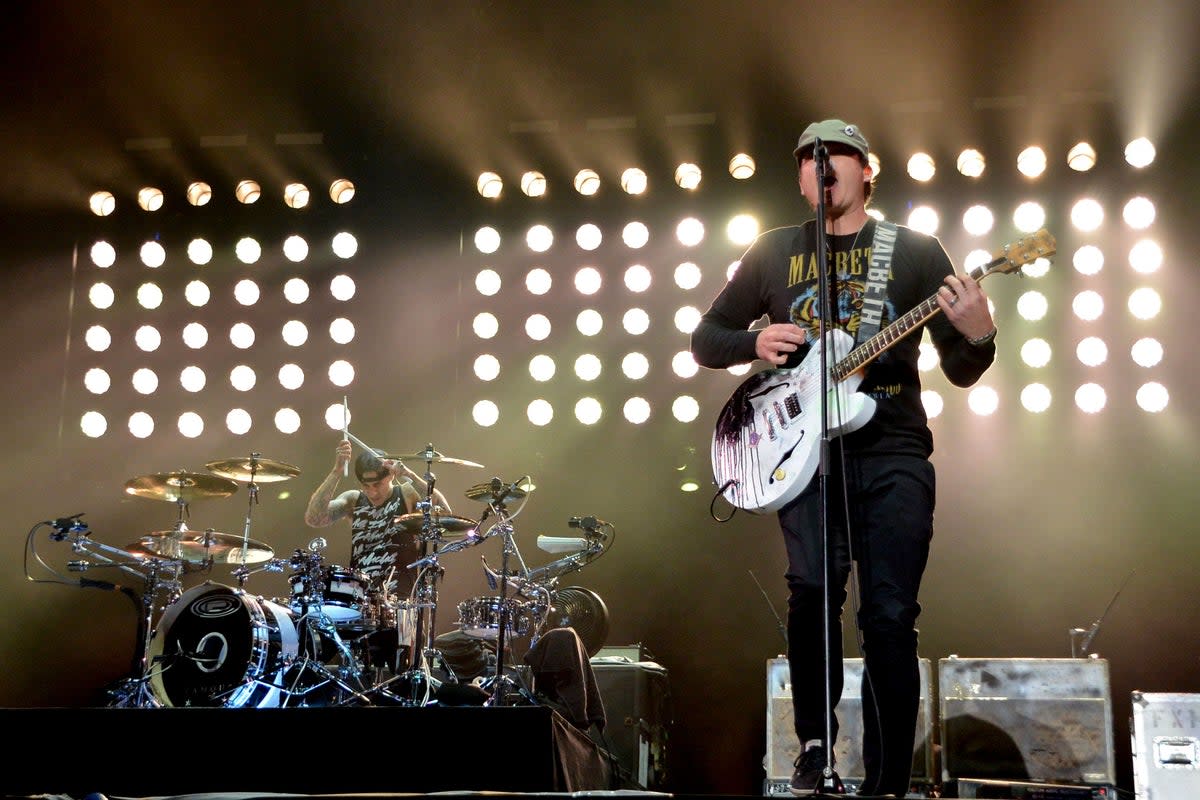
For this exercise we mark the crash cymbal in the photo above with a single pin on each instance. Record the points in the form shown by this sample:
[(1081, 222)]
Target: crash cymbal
[(175, 486), (499, 492), (138, 550), (443, 524), (261, 470), (198, 547), (433, 457)]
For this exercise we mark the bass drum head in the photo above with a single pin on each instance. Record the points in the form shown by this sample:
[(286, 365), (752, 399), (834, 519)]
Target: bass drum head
[(218, 646)]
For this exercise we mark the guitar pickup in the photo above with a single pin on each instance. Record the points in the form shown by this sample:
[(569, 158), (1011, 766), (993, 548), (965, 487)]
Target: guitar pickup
[(780, 415), (771, 434)]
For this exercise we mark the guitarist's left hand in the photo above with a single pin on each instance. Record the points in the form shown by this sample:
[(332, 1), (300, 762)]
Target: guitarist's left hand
[(966, 306)]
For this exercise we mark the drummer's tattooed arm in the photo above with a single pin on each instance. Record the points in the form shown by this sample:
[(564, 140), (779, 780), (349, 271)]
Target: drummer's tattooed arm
[(325, 509)]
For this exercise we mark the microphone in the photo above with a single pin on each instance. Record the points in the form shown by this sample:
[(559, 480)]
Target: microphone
[(821, 160), (589, 524), (64, 524)]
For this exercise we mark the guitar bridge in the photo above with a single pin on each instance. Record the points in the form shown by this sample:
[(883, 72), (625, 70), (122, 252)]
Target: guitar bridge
[(792, 404)]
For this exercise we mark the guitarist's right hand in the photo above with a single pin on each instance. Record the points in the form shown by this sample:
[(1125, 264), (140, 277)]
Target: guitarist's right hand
[(776, 342)]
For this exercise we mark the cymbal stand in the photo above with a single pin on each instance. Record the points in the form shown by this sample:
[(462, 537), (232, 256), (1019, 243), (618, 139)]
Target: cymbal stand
[(251, 502), (502, 684), (156, 573)]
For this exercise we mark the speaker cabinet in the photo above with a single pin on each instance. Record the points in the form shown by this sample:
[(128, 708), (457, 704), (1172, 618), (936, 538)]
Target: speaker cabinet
[(637, 711), (782, 745), (1014, 719)]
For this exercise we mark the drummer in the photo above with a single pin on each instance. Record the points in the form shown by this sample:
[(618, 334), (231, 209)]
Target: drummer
[(388, 489)]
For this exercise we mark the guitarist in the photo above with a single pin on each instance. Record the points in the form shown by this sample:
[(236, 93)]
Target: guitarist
[(885, 521)]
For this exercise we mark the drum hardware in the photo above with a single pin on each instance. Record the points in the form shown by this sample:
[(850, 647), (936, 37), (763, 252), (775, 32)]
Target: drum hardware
[(157, 575), (242, 573), (545, 605), (325, 598), (431, 526), (253, 470), (503, 684), (497, 490)]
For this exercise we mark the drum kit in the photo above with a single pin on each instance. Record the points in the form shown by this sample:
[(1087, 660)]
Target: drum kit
[(221, 645)]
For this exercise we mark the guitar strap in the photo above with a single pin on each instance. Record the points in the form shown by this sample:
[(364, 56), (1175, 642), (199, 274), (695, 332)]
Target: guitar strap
[(883, 246)]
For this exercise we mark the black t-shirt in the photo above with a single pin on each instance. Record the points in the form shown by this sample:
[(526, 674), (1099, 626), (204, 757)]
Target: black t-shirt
[(778, 277), (376, 545)]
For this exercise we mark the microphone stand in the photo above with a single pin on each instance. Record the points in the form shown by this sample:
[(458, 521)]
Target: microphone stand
[(1089, 633), (826, 306)]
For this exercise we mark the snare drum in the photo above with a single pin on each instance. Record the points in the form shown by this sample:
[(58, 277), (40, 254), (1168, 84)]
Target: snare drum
[(377, 614), (479, 617), (343, 593), (218, 646)]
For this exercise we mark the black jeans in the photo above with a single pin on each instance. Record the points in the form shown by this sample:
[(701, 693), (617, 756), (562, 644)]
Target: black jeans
[(890, 501)]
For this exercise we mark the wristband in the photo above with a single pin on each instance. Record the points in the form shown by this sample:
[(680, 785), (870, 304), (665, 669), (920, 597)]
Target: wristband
[(980, 341)]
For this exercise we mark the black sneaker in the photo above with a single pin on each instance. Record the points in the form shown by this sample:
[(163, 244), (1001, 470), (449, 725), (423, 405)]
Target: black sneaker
[(809, 777)]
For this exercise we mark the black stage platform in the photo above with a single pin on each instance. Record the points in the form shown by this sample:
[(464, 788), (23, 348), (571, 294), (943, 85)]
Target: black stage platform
[(151, 752)]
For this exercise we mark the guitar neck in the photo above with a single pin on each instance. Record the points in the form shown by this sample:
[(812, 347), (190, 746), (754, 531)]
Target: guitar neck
[(872, 348)]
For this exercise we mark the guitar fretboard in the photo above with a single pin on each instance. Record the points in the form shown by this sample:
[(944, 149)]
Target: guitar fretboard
[(869, 350)]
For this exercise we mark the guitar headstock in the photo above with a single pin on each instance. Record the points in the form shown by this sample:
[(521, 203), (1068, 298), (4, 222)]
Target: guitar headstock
[(1026, 250)]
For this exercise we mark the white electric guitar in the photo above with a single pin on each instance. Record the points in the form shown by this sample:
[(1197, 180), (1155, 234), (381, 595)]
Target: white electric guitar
[(765, 443)]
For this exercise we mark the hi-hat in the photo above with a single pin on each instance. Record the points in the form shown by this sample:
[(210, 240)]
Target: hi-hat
[(432, 456), (262, 470), (176, 486), (197, 547), (498, 492), (441, 523)]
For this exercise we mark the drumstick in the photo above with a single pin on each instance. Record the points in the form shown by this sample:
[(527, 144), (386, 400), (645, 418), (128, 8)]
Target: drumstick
[(363, 444), (345, 433)]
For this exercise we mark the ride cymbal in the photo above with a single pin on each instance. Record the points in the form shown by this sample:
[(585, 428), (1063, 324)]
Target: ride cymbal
[(176, 486), (201, 547), (262, 470)]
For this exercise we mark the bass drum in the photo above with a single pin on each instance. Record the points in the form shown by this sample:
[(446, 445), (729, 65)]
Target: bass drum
[(218, 646)]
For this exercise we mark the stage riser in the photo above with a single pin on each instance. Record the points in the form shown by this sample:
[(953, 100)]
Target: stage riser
[(146, 752)]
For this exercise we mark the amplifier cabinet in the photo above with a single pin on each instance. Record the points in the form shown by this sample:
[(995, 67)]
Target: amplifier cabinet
[(1165, 739), (1015, 719), (783, 747), (637, 710)]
